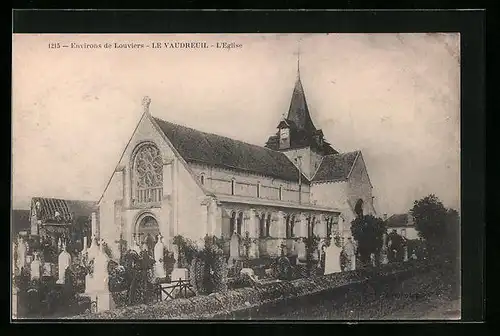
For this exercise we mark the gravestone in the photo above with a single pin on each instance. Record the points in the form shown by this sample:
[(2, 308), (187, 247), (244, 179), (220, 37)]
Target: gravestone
[(21, 253), (254, 250), (35, 267), (175, 250), (179, 274), (250, 273), (64, 261), (300, 248), (158, 254), (332, 259), (48, 269), (234, 248), (384, 259), (136, 247), (405, 258), (85, 248), (99, 290), (350, 252), (93, 250), (413, 255)]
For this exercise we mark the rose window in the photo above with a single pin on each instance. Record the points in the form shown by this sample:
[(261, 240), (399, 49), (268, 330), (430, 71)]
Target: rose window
[(148, 168)]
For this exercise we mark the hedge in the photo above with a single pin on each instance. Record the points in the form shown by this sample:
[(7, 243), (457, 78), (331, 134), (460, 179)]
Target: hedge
[(223, 304)]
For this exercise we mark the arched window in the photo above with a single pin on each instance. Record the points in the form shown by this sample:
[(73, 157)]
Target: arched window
[(262, 225), (239, 223), (268, 225), (202, 178), (147, 175), (290, 223), (258, 189), (329, 223), (358, 209), (233, 185), (310, 226), (232, 223)]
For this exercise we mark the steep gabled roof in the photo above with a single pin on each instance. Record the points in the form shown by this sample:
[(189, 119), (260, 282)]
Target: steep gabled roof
[(298, 112), (215, 150), (68, 209), (335, 167)]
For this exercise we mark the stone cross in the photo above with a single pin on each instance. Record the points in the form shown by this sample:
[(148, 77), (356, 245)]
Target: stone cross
[(35, 267), (146, 101), (158, 254), (21, 253), (93, 250)]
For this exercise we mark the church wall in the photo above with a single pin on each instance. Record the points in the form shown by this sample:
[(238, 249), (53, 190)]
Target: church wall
[(218, 180), (192, 218), (309, 159), (359, 187), (179, 211), (334, 194), (109, 224)]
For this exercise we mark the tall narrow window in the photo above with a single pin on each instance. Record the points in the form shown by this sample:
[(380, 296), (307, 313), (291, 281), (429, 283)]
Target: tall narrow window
[(262, 226), (268, 226), (329, 226), (239, 223), (258, 189), (232, 223), (202, 178), (233, 185), (281, 193), (292, 226), (290, 221), (310, 226)]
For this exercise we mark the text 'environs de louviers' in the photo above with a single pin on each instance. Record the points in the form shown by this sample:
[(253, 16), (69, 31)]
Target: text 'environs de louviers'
[(156, 45)]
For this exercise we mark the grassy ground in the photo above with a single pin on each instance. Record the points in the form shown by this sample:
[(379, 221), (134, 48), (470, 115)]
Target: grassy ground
[(433, 295)]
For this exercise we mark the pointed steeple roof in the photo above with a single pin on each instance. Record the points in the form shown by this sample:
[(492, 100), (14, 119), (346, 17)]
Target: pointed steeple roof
[(299, 111)]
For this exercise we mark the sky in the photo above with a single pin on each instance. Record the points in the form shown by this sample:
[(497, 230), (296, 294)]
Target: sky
[(395, 97)]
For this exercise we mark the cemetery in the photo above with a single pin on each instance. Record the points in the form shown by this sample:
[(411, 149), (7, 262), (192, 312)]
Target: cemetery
[(89, 283)]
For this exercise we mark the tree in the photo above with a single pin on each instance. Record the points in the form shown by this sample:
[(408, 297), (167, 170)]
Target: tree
[(368, 232), (431, 219)]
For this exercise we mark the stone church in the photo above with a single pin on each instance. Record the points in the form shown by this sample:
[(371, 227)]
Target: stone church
[(175, 180)]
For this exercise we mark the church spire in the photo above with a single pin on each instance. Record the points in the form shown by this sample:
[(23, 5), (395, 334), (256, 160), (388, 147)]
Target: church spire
[(298, 61), (299, 111)]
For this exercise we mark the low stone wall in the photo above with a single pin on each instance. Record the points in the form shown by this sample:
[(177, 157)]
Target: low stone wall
[(225, 304)]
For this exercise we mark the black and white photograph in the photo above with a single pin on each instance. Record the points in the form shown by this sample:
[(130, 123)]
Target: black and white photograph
[(236, 176)]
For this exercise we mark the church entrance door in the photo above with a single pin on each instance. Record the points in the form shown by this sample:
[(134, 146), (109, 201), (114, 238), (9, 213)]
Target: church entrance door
[(147, 230)]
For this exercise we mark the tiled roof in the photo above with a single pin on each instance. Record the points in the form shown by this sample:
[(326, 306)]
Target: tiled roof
[(68, 209), (397, 220), (335, 167), (211, 149), (298, 112)]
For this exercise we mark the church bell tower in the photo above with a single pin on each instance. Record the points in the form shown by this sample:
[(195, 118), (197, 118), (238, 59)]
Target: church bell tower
[(297, 137)]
